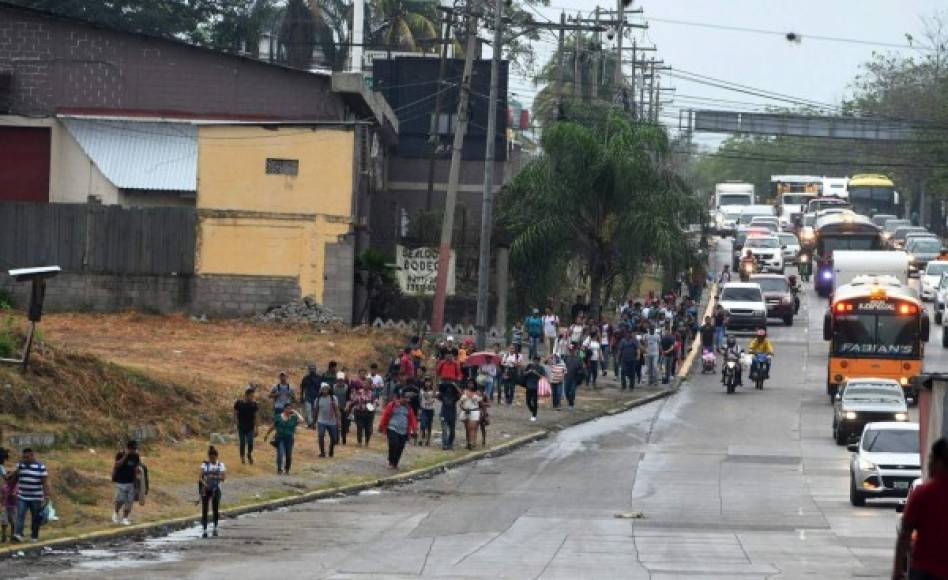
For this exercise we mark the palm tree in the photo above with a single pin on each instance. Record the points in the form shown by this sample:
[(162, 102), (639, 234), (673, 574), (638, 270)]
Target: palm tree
[(406, 25), (600, 199), (298, 34)]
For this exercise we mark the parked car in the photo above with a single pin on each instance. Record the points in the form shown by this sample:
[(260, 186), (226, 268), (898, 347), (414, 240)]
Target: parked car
[(921, 251), (930, 279), (791, 247), (767, 251), (885, 462), (777, 296), (744, 306), (880, 219), (866, 400)]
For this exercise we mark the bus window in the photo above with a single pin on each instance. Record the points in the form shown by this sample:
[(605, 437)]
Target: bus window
[(869, 334), (830, 245)]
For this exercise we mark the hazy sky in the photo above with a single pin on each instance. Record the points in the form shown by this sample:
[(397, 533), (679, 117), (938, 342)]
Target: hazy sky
[(813, 69)]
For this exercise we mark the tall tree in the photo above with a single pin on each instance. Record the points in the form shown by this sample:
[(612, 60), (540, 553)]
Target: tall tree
[(600, 199), (298, 34), (405, 25)]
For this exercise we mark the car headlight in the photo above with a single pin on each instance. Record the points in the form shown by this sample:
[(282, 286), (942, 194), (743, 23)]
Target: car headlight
[(901, 417), (886, 235), (850, 415), (827, 275), (866, 465)]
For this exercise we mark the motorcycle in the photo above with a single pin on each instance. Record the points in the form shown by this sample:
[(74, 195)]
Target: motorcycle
[(795, 290), (748, 267), (760, 369), (805, 267), (708, 361), (731, 369)]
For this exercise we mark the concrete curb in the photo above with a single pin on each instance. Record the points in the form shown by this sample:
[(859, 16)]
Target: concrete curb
[(696, 345), (164, 527)]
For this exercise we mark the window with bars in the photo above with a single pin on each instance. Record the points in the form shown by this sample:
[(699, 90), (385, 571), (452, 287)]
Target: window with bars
[(282, 166)]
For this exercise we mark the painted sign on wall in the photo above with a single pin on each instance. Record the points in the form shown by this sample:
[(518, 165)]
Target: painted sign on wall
[(418, 270)]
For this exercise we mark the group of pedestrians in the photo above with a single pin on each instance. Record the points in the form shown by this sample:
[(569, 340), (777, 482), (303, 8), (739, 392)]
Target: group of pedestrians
[(23, 490)]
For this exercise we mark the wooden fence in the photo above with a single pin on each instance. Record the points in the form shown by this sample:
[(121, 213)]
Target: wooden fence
[(97, 239)]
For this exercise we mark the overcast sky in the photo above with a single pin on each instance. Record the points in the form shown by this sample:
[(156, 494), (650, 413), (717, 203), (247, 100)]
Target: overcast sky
[(813, 69)]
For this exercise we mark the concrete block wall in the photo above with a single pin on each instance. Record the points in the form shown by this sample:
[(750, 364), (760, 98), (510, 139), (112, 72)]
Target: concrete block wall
[(107, 292), (339, 280), (224, 295)]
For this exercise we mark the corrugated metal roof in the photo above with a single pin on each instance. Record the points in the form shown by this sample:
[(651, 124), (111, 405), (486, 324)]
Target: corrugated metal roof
[(140, 155)]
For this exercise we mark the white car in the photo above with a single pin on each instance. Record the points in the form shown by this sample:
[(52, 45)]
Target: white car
[(941, 298), (930, 278), (744, 306), (767, 251), (791, 247), (766, 221), (885, 462)]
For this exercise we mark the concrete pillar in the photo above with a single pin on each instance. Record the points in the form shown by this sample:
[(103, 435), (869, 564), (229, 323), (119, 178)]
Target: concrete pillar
[(503, 264)]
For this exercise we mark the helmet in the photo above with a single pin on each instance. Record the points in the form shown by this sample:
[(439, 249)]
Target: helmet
[(761, 333), (731, 341)]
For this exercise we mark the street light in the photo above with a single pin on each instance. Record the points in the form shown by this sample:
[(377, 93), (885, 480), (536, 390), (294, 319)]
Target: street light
[(34, 313)]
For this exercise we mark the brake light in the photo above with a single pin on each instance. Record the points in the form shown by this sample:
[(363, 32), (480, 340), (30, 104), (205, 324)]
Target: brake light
[(907, 309), (844, 307)]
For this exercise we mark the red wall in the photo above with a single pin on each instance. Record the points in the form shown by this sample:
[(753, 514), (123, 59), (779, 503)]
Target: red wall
[(24, 164)]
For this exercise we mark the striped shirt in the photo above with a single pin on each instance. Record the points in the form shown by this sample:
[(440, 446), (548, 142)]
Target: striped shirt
[(30, 480)]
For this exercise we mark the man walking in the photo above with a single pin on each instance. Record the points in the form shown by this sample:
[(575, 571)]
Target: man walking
[(309, 390), (669, 355), (32, 494), (628, 356), (652, 352), (574, 370), (281, 394), (720, 318), (707, 332), (125, 471), (449, 394), (534, 332), (245, 416)]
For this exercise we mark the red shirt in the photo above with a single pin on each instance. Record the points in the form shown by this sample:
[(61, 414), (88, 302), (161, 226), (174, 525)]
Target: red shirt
[(406, 367), (449, 370), (927, 513)]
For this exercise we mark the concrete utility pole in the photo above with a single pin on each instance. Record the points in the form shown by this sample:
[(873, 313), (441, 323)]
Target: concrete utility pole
[(597, 60), (454, 174), (620, 24), (487, 200), (434, 136), (577, 70), (559, 64)]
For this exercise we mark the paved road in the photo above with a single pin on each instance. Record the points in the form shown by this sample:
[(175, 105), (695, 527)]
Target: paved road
[(742, 486)]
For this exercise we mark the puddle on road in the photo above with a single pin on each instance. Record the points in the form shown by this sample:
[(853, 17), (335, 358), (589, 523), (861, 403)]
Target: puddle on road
[(582, 437)]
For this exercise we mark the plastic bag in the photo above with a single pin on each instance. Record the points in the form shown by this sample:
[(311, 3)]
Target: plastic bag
[(544, 389), (48, 514)]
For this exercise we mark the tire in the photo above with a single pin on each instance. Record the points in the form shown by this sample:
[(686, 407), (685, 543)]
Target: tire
[(944, 337), (857, 498), (788, 320)]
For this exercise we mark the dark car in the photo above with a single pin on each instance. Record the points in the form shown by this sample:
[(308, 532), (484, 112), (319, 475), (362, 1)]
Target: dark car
[(864, 400), (777, 296)]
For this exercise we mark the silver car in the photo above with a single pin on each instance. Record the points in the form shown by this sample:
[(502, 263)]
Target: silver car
[(866, 400), (791, 247), (885, 462)]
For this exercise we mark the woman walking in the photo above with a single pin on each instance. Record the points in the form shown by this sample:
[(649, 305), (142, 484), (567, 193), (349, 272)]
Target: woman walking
[(363, 403), (328, 418), (470, 404), (594, 355), (285, 427), (398, 422), (212, 476), (427, 402)]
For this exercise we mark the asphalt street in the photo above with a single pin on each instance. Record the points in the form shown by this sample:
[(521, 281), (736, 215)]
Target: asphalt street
[(699, 485)]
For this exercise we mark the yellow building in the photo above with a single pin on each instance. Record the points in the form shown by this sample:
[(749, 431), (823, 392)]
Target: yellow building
[(274, 201)]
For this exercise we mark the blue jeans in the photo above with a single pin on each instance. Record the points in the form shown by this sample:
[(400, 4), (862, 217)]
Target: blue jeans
[(36, 508), (569, 388), (557, 389), (652, 361), (284, 453), (448, 420), (246, 442), (719, 336), (629, 373), (669, 364), (534, 346), (333, 430), (489, 388)]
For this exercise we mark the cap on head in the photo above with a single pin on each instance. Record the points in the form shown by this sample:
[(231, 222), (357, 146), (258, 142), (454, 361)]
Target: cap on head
[(283, 374), (324, 387), (250, 388), (340, 376), (450, 339)]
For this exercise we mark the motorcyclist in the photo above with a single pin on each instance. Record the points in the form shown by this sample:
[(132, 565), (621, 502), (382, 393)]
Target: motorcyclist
[(732, 352), (747, 259), (760, 344)]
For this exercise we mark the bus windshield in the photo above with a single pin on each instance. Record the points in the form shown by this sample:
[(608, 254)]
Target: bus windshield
[(796, 199), (875, 335), (734, 199), (828, 245), (872, 200)]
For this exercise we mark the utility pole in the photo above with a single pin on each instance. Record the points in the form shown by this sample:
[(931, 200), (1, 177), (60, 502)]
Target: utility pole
[(454, 174), (434, 138), (487, 200), (559, 64), (577, 70), (620, 24), (632, 79), (597, 62)]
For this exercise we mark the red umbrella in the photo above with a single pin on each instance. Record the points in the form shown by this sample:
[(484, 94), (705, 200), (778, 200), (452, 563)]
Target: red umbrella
[(482, 358)]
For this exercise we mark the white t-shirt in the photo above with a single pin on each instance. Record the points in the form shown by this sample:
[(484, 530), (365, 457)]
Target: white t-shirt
[(378, 381), (213, 472), (550, 322), (605, 334), (576, 332), (594, 348)]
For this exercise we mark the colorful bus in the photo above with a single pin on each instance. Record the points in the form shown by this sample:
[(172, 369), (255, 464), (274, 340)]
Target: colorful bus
[(876, 327), (872, 194)]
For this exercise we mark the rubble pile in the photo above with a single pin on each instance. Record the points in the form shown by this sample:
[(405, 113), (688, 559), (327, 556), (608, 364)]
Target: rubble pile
[(306, 310)]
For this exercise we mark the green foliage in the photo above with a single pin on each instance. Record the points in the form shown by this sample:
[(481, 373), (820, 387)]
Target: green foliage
[(7, 334), (298, 34), (600, 202), (378, 276)]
